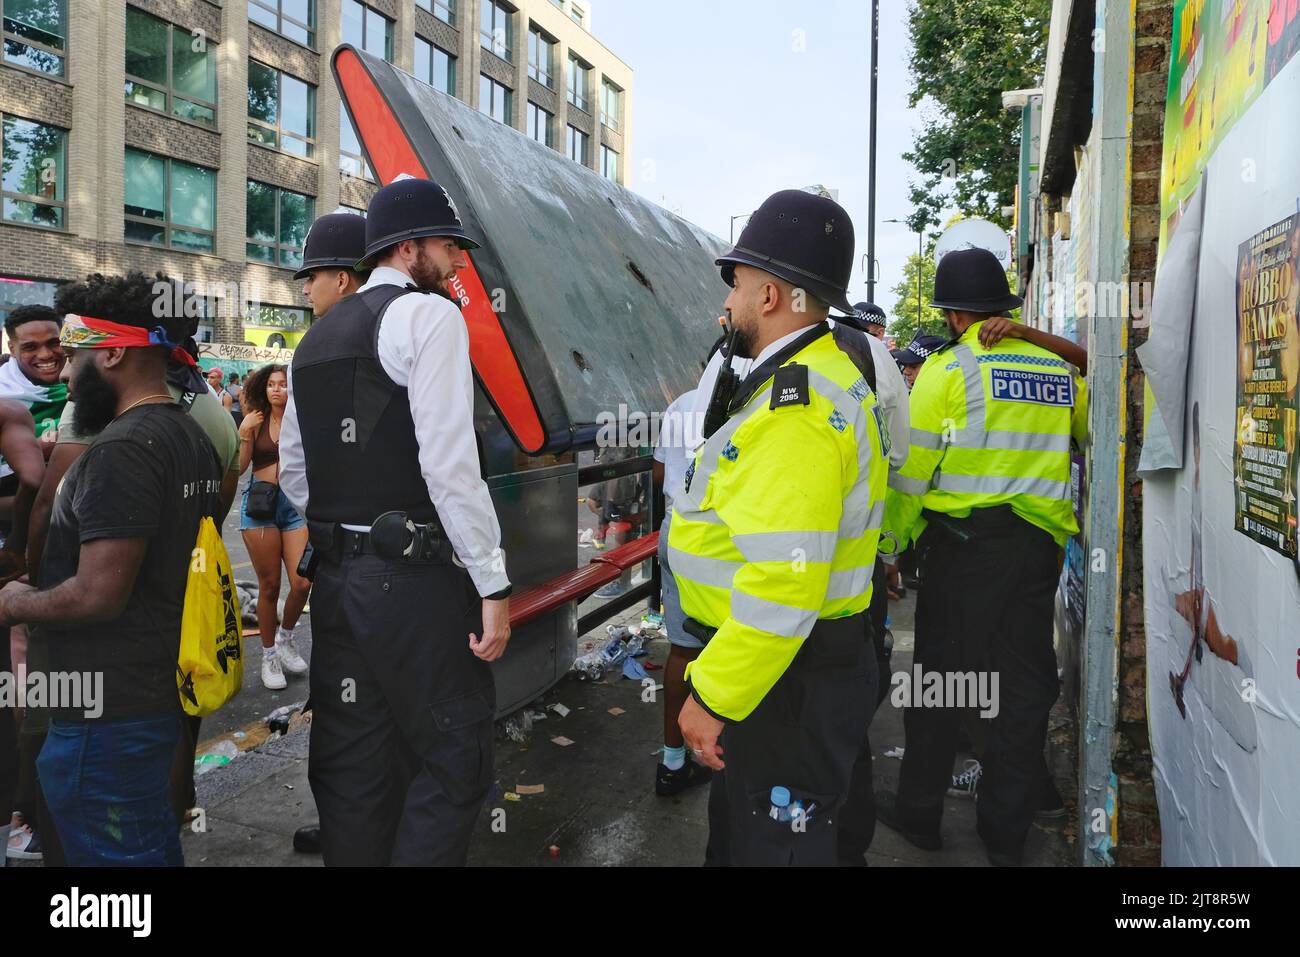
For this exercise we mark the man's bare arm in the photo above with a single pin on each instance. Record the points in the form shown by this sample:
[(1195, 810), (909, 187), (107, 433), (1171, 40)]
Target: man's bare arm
[(992, 331), (106, 572)]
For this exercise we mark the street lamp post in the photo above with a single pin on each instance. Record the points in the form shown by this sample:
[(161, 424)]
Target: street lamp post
[(920, 262)]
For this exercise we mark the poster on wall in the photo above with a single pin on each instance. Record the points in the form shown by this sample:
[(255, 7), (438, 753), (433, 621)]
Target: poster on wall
[(1224, 53), (1268, 361), (1221, 593)]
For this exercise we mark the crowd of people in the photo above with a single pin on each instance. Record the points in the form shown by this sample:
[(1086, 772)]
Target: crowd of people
[(823, 463)]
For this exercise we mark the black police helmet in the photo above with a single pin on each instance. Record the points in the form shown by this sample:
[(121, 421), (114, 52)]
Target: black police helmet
[(410, 208), (919, 349), (972, 280), (869, 313), (805, 239), (335, 240)]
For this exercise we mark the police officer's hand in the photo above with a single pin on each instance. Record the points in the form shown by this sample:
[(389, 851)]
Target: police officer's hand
[(496, 630), (701, 730), (992, 331)]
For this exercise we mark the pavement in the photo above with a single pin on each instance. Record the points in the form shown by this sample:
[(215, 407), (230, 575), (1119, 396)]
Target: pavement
[(575, 790)]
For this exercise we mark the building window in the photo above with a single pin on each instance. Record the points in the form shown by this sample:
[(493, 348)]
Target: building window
[(541, 58), (278, 220), (35, 34), (496, 28), (295, 19), (494, 99), (576, 147), (444, 10), (540, 124), (170, 69), (367, 29), (578, 83), (32, 178), (435, 66), (608, 163), (169, 203), (281, 110), (578, 15), (611, 102), (351, 161)]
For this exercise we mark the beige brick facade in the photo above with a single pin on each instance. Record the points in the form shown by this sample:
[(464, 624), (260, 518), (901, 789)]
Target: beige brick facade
[(88, 103)]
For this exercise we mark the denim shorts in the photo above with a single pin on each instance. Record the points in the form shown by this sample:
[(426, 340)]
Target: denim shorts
[(674, 617), (107, 784), (286, 516)]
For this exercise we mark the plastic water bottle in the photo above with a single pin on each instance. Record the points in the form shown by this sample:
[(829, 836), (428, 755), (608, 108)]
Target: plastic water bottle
[(780, 800)]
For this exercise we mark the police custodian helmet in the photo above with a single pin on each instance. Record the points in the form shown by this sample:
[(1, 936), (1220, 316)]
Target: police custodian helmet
[(972, 280), (335, 240), (410, 208), (805, 239)]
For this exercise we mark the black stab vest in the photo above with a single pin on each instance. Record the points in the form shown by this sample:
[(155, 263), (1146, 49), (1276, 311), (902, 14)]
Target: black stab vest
[(358, 437)]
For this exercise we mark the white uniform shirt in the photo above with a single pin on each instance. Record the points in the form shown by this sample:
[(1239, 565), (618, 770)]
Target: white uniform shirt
[(678, 427), (424, 347)]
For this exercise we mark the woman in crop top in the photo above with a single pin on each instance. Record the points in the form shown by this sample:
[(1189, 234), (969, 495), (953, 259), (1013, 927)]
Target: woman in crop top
[(277, 541)]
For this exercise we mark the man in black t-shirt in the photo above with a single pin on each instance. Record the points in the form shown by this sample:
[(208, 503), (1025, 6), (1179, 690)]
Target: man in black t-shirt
[(116, 559)]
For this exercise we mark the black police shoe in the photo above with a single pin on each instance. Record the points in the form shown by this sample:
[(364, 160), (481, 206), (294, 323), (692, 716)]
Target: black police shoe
[(306, 840), (887, 814), (669, 783)]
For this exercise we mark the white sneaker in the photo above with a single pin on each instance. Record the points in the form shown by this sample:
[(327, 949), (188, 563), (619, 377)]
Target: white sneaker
[(272, 675), (287, 652), (23, 845)]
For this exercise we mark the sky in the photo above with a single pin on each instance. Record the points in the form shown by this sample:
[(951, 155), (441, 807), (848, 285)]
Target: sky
[(733, 100)]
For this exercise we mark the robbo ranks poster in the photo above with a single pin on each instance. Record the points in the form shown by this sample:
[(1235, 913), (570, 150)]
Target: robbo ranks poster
[(1268, 364)]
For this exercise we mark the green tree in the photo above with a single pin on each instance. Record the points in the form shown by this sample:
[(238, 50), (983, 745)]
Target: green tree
[(904, 325), (965, 53)]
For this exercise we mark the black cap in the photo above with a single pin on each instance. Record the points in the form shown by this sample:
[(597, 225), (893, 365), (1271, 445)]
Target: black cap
[(919, 349), (869, 313), (335, 240), (802, 238), (972, 280), (410, 208)]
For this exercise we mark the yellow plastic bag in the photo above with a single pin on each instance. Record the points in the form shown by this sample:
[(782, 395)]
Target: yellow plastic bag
[(210, 668)]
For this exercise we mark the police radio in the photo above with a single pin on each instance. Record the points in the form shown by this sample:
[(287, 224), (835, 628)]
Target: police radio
[(724, 387)]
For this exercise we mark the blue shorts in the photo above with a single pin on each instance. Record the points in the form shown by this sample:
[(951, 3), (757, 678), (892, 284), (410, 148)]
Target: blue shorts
[(286, 518), (674, 617)]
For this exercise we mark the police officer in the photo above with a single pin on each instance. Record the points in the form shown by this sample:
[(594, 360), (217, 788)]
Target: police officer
[(985, 494), (772, 543), (379, 453), (870, 318), (335, 243), (913, 357)]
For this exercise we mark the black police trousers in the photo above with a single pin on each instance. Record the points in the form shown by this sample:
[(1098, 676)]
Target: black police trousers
[(857, 826), (985, 605), (400, 760), (805, 736)]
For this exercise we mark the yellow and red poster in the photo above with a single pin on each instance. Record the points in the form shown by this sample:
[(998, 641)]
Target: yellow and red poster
[(1268, 361), (1224, 53)]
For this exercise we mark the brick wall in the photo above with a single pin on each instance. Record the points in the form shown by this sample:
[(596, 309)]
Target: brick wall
[(280, 169), (498, 69), (544, 97), (283, 54), (439, 33), (191, 14), (35, 97), (1139, 821), (158, 133), (354, 192)]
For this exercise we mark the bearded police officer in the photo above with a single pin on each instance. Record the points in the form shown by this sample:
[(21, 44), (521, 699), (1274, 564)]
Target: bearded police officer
[(985, 494), (772, 543), (335, 243), (379, 453)]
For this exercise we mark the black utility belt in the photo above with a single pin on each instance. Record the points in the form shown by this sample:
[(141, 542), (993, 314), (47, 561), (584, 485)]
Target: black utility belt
[(392, 536), (698, 630), (980, 522)]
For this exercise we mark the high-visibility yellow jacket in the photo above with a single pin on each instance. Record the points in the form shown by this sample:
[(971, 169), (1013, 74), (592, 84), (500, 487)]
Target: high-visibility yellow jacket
[(778, 523), (989, 427)]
